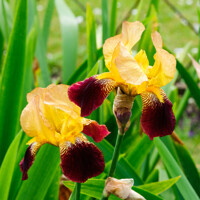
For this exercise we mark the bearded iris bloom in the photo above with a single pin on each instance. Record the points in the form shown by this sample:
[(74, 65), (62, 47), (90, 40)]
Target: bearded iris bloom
[(134, 76), (50, 117)]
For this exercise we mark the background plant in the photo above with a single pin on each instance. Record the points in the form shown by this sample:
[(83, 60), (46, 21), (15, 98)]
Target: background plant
[(60, 41)]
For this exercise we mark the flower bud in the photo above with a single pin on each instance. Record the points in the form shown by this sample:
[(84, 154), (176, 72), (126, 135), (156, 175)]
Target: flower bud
[(121, 188), (122, 110)]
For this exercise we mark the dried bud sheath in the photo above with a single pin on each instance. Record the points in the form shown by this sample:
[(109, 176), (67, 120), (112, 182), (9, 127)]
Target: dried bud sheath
[(122, 109), (121, 188), (134, 196)]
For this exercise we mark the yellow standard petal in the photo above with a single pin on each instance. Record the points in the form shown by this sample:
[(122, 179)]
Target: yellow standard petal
[(142, 60), (157, 39), (37, 91), (108, 49), (128, 68), (57, 95), (131, 33), (62, 113), (164, 68), (34, 124)]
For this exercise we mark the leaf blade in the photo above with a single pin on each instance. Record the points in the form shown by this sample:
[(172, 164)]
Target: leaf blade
[(47, 21), (91, 39), (139, 152), (104, 7), (12, 79), (174, 170), (7, 167), (41, 57), (195, 91), (188, 166), (159, 187), (69, 30), (113, 18)]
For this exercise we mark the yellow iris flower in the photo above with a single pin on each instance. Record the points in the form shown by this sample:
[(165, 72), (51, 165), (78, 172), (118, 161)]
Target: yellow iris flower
[(134, 76), (50, 117)]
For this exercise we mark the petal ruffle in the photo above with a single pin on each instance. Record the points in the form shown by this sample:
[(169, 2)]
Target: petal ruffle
[(57, 96), (90, 93), (81, 161), (164, 68), (63, 114), (28, 159), (157, 40), (34, 123), (94, 130), (157, 117), (51, 116), (108, 49), (131, 33), (36, 92)]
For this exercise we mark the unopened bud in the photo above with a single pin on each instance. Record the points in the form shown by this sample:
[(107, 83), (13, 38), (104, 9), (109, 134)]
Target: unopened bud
[(122, 109), (121, 188)]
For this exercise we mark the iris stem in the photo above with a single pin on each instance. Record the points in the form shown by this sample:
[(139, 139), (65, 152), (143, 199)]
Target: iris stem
[(78, 189), (115, 157), (120, 136)]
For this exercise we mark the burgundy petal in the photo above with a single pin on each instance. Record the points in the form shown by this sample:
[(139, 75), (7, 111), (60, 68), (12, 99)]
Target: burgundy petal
[(96, 131), (90, 93), (81, 161), (28, 159), (157, 118)]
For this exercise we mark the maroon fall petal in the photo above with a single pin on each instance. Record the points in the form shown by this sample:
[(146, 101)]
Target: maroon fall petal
[(96, 131), (81, 161), (90, 93), (157, 118), (28, 159)]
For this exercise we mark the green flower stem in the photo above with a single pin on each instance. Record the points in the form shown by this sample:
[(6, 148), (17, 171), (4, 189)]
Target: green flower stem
[(78, 189), (115, 157), (120, 136)]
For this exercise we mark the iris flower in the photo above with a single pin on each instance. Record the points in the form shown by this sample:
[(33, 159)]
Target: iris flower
[(50, 117), (134, 76)]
